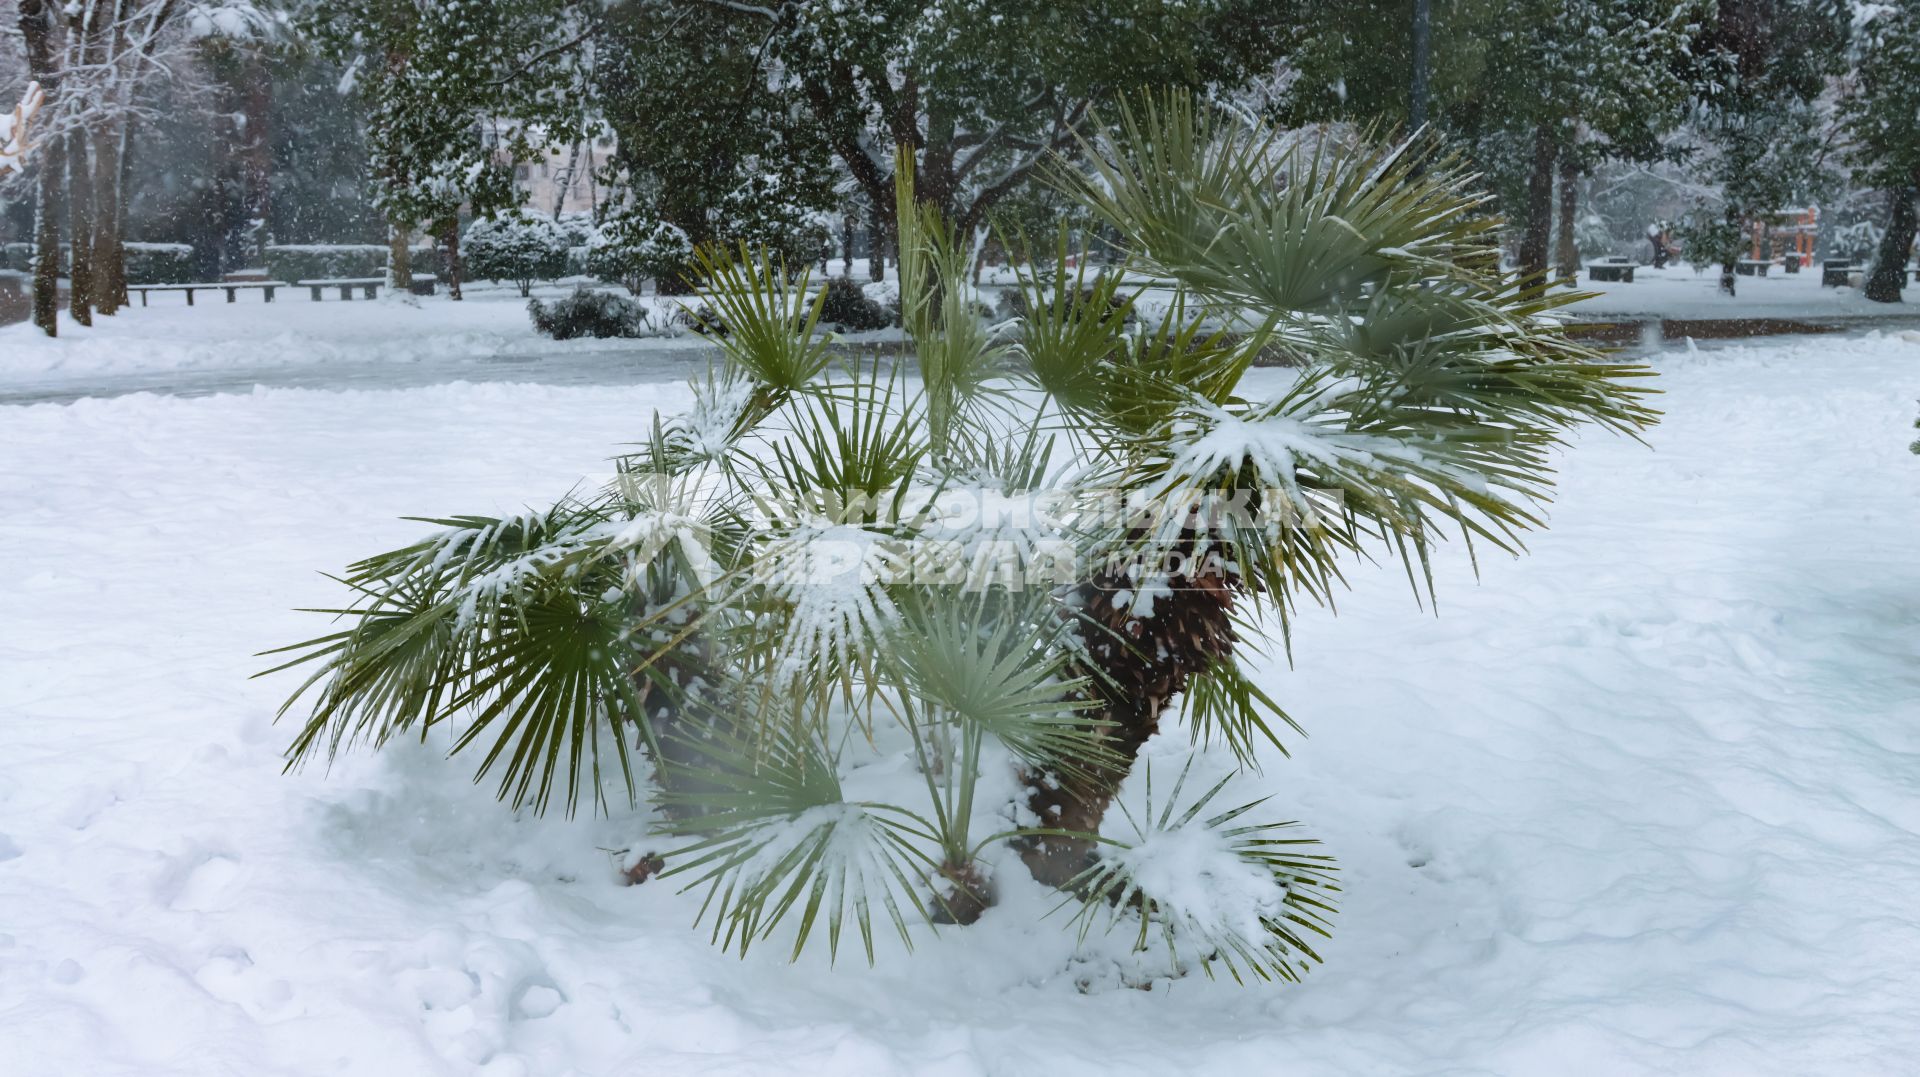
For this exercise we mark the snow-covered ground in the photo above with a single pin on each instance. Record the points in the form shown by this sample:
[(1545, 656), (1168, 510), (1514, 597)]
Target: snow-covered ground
[(171, 348), (1647, 800), (1679, 291)]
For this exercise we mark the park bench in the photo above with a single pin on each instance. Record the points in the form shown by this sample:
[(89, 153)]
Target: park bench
[(369, 286), (1620, 271), (1791, 263), (1835, 272), (1752, 267), (232, 288)]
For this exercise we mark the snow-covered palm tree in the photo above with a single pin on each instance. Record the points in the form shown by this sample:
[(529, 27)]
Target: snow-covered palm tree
[(871, 626)]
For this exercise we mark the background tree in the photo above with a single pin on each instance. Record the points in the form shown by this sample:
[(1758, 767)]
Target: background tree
[(1880, 114), (517, 247), (456, 91), (1534, 91), (1757, 130), (983, 91), (37, 30), (708, 141)]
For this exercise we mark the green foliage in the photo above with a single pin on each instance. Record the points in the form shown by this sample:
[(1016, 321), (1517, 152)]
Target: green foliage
[(705, 143), (846, 306), (590, 313), (821, 581), (1881, 114), (515, 247), (1757, 126), (1603, 78), (1282, 886), (447, 87), (630, 248)]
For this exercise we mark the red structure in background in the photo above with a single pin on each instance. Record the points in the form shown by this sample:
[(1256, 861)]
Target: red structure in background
[(1792, 237)]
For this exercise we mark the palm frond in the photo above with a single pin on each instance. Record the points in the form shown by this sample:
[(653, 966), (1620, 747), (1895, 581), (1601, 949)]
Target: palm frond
[(1241, 895), (989, 660), (768, 321), (774, 837)]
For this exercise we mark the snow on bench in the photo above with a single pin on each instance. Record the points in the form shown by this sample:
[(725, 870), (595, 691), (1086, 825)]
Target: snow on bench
[(231, 287)]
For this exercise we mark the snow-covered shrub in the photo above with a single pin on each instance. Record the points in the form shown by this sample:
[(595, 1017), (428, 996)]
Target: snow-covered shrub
[(1084, 296), (520, 248), (591, 313), (630, 249), (847, 306)]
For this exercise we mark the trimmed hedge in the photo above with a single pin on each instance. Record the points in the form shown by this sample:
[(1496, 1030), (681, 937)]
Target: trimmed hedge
[(159, 263), (292, 262), (147, 263)]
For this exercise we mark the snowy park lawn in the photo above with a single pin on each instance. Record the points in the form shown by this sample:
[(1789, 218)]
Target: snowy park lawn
[(293, 330), (1680, 291), (1647, 800)]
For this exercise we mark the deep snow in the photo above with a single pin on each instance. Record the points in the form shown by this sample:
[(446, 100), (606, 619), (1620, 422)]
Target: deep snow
[(1643, 801)]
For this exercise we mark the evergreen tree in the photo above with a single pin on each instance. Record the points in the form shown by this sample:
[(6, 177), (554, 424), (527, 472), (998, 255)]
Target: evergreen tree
[(709, 144), (981, 91), (516, 247), (1763, 65), (1530, 89), (1881, 117), (456, 91)]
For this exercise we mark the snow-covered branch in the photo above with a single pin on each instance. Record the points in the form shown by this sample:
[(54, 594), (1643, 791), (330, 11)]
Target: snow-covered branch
[(16, 130)]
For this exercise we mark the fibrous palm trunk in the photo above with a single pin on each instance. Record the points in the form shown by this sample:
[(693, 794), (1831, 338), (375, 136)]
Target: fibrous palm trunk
[(1141, 664)]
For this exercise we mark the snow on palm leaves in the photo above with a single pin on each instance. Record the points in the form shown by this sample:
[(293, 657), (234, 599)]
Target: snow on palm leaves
[(843, 609)]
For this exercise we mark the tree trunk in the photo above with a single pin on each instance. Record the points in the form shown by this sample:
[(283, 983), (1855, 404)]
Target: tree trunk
[(80, 298), (450, 253), (36, 31), (565, 182), (399, 260), (846, 245), (1731, 256), (46, 243), (1539, 229), (1889, 274), (256, 154), (1566, 250), (1142, 664), (109, 251), (1422, 38), (876, 245)]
